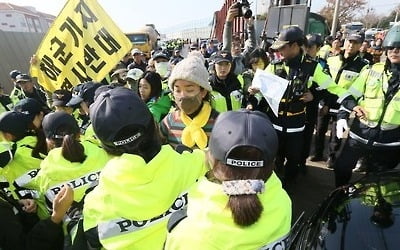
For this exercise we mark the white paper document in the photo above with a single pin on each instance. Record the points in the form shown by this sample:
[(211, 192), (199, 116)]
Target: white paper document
[(272, 87)]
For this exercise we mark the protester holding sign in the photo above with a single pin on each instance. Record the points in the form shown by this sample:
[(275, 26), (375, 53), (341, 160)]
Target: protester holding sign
[(97, 45)]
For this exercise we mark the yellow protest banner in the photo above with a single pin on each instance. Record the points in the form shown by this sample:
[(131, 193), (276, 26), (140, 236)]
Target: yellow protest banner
[(82, 44)]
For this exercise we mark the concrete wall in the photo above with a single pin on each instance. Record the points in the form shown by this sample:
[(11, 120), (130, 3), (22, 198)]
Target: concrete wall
[(16, 48)]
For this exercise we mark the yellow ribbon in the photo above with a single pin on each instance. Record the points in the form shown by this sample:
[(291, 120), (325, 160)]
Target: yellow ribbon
[(193, 132)]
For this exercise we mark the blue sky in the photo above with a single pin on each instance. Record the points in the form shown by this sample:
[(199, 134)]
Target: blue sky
[(130, 14)]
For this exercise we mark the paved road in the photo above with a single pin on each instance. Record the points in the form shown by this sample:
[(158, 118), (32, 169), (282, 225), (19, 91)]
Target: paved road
[(312, 188)]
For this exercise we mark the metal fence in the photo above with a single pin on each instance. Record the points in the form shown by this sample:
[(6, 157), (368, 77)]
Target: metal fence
[(16, 48)]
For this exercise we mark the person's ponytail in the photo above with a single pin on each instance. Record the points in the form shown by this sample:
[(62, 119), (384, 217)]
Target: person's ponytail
[(246, 209), (72, 149)]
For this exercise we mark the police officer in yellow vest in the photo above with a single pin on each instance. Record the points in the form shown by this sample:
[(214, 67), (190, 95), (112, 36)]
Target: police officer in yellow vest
[(22, 164), (303, 73), (69, 161), (227, 91), (16, 93), (143, 184), (375, 132), (5, 101), (241, 203), (324, 51), (344, 69), (82, 97)]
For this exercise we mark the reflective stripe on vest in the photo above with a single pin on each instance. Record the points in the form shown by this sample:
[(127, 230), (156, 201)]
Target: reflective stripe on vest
[(384, 126), (25, 178), (240, 79), (121, 226), (85, 180), (280, 243), (218, 101), (374, 99), (347, 77), (379, 144)]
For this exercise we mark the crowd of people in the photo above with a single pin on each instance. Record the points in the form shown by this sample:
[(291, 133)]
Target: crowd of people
[(178, 153)]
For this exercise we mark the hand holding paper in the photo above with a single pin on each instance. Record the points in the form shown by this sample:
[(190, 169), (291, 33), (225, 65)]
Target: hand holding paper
[(271, 86)]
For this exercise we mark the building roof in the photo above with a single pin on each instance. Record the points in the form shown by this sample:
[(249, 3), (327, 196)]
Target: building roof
[(24, 9)]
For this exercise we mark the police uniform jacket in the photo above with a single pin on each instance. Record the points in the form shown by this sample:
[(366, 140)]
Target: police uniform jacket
[(302, 72), (130, 207), (209, 224), (57, 171), (377, 91), (344, 71), (227, 94)]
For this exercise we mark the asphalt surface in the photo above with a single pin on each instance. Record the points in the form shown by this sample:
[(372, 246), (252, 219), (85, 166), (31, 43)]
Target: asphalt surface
[(312, 188)]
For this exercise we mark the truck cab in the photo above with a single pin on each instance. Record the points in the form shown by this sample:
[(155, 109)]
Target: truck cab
[(145, 39)]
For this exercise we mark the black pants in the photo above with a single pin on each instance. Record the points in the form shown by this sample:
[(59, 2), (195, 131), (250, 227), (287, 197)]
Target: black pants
[(12, 235), (376, 159), (334, 142), (290, 150), (20, 232), (308, 134), (322, 128)]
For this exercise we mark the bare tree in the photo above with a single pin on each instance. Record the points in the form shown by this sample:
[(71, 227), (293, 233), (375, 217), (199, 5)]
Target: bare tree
[(371, 19), (384, 22), (348, 10)]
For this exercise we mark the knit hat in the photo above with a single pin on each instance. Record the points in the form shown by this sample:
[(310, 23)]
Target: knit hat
[(191, 69)]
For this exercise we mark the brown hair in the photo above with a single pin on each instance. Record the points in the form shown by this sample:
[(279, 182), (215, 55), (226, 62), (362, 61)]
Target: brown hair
[(246, 209), (72, 149), (40, 146)]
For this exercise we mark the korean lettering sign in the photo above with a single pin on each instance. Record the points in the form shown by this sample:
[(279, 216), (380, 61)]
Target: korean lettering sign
[(82, 44)]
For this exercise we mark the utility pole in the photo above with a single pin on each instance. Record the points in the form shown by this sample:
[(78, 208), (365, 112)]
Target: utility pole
[(335, 18)]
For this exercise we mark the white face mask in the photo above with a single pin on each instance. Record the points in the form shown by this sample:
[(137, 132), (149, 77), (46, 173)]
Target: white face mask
[(162, 68)]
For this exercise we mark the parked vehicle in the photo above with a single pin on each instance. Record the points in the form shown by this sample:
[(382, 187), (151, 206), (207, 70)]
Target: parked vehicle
[(353, 27), (363, 215), (280, 15), (144, 38)]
